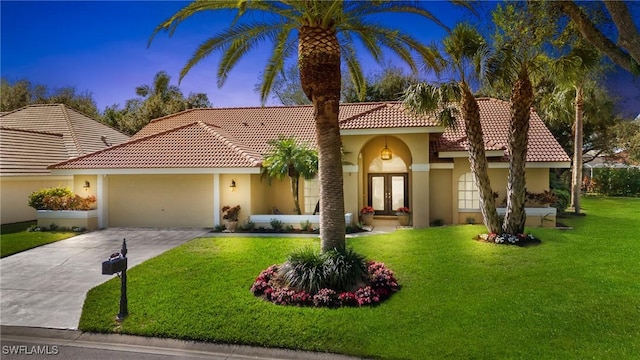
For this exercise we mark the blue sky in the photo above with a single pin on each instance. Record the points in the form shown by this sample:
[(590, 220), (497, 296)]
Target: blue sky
[(101, 47)]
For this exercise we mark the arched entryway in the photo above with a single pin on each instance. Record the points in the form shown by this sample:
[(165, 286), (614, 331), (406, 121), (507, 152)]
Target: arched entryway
[(387, 180)]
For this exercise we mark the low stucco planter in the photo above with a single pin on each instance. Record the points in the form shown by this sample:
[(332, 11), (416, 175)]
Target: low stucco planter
[(293, 220), (68, 218)]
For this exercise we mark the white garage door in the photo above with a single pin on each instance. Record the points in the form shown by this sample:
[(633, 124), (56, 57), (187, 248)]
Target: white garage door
[(165, 201)]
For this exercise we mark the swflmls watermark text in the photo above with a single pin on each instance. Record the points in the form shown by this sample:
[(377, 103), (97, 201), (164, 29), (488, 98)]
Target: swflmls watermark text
[(30, 350)]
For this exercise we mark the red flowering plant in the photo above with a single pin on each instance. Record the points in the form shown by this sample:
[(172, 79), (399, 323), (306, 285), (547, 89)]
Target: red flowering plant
[(403, 210), (367, 210), (380, 283)]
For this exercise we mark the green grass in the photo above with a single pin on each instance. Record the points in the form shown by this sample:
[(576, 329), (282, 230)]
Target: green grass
[(15, 238), (577, 295)]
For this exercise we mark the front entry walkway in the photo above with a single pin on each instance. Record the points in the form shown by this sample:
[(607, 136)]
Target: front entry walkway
[(46, 286)]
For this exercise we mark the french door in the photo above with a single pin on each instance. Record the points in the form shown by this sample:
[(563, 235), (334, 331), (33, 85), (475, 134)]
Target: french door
[(388, 192)]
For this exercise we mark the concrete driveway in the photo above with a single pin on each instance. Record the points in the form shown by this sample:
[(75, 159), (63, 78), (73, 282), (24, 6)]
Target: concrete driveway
[(46, 286)]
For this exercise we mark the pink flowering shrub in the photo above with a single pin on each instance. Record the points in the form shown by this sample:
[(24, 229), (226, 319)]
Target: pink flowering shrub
[(380, 284)]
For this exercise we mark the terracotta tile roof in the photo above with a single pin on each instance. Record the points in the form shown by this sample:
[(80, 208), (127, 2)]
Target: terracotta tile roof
[(495, 115), (81, 134), (194, 145), (386, 115), (236, 137), (26, 152)]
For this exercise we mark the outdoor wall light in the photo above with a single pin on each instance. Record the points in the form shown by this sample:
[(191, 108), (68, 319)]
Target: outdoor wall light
[(233, 185), (386, 153), (87, 185)]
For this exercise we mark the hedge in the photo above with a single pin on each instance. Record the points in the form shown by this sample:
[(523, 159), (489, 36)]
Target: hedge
[(616, 181)]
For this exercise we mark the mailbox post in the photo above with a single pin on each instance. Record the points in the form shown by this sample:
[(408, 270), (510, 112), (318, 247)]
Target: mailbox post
[(117, 263)]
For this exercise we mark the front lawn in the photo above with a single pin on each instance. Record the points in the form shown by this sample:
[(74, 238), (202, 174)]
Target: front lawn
[(15, 238), (577, 295)]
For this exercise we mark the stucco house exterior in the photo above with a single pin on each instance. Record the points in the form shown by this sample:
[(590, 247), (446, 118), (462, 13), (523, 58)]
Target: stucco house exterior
[(36, 136), (180, 170)]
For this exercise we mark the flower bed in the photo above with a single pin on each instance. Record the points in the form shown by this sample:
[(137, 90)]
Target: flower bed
[(381, 283), (508, 239)]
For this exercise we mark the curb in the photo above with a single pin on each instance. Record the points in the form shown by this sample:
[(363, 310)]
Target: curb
[(160, 346)]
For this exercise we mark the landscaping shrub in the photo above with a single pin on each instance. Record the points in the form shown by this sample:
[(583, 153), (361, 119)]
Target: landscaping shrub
[(377, 284), (616, 182), (276, 224), (36, 199), (60, 199), (563, 198), (309, 270)]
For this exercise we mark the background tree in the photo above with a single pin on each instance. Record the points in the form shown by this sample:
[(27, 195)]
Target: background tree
[(22, 93), (323, 32), (288, 158), (286, 88), (155, 100), (464, 52), (388, 84), (625, 50)]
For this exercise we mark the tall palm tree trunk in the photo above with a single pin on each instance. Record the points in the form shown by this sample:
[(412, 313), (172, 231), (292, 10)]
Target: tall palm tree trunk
[(319, 62), (478, 159), (295, 186), (521, 101), (576, 176)]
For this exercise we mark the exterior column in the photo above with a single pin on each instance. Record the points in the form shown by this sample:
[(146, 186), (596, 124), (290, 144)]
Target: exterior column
[(216, 199), (102, 198), (350, 189), (420, 194)]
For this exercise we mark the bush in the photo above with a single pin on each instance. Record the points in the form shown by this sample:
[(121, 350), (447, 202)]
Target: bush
[(563, 198), (309, 270), (378, 284), (305, 225), (616, 182), (60, 199), (276, 224), (36, 199), (247, 226)]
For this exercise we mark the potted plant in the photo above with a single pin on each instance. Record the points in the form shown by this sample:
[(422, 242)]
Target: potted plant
[(367, 215), (230, 217), (404, 216)]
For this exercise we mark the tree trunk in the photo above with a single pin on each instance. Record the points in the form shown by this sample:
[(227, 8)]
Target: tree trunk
[(319, 63), (521, 101), (478, 159), (295, 181), (576, 174)]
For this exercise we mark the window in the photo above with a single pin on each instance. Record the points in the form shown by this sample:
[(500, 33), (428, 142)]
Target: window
[(311, 195), (468, 195)]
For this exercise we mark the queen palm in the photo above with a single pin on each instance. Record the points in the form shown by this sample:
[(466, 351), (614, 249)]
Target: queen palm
[(465, 51), (287, 158), (324, 32), (572, 70)]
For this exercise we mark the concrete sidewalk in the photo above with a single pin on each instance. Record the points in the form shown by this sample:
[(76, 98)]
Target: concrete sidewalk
[(46, 286), (99, 346)]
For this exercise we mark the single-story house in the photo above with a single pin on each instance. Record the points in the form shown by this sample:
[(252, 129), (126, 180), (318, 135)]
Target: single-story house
[(180, 170), (36, 136)]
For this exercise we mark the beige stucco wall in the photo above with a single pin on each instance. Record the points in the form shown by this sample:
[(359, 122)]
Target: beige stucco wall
[(266, 196), (537, 180), (180, 201), (240, 196), (14, 193), (440, 190), (79, 183)]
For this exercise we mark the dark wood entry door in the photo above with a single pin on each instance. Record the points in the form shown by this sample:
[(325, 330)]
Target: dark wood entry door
[(388, 192)]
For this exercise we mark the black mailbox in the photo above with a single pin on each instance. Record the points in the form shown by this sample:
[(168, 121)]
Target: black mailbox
[(115, 264)]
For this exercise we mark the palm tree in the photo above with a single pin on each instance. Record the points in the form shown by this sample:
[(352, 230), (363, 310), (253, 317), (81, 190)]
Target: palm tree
[(324, 32), (288, 158), (573, 70), (519, 41), (465, 48), (160, 98)]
